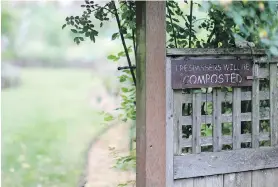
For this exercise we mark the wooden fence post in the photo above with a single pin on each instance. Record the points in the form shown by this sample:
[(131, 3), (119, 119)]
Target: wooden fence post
[(150, 94)]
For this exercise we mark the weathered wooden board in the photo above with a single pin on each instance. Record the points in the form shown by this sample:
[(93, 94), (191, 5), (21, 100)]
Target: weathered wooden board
[(249, 167), (169, 127), (212, 163), (216, 121), (225, 97), (259, 178), (265, 178), (242, 179), (273, 92), (225, 118), (196, 120), (236, 118), (197, 73), (226, 139), (255, 108), (213, 52), (150, 94)]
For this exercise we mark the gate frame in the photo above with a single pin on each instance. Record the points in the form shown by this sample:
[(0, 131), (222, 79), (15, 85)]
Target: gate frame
[(215, 53), (154, 137)]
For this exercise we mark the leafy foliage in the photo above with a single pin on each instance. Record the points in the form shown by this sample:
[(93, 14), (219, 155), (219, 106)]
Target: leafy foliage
[(225, 23), (254, 21)]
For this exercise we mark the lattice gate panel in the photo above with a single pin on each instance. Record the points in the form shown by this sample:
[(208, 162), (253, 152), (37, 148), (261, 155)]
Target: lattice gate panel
[(209, 140)]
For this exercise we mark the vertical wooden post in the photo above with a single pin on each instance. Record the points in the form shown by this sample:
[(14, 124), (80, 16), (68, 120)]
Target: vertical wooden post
[(150, 94), (255, 108), (196, 122), (216, 120)]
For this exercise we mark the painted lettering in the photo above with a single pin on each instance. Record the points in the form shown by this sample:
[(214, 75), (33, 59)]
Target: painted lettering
[(215, 78), (195, 79), (181, 67), (185, 79), (233, 78), (247, 67), (226, 67), (239, 78), (201, 79), (221, 78)]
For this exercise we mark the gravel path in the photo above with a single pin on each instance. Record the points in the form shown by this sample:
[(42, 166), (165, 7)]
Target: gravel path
[(100, 171)]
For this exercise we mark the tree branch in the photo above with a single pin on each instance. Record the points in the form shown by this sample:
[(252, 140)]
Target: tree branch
[(174, 32), (133, 35), (190, 33), (123, 42)]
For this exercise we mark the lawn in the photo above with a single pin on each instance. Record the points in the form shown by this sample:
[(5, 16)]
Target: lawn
[(47, 124)]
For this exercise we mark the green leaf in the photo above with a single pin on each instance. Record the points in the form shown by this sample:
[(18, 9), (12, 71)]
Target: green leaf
[(73, 30), (123, 78), (64, 26), (197, 91), (121, 54), (111, 57), (75, 39), (238, 19), (92, 37), (87, 34), (115, 35), (94, 32), (168, 28), (274, 50), (125, 90), (108, 117)]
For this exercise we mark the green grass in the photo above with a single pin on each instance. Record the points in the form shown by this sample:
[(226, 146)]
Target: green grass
[(47, 124)]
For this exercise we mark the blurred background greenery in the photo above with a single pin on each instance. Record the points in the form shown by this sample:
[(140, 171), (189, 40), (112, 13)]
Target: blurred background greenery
[(51, 112)]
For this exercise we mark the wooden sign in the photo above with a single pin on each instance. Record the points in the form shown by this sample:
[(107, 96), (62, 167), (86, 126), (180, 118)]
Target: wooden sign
[(198, 73)]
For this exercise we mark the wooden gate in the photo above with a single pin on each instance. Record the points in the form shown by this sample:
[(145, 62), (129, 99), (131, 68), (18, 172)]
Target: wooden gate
[(223, 136)]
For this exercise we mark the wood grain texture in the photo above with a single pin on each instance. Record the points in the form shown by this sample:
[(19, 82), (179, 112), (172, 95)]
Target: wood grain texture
[(211, 163), (212, 52), (245, 96), (150, 94), (226, 139), (226, 118), (231, 53), (177, 125), (169, 127), (255, 108), (196, 123), (209, 181), (216, 121), (265, 178), (236, 118), (257, 59), (200, 181), (273, 92), (207, 73), (214, 181), (141, 95), (242, 179), (184, 183)]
